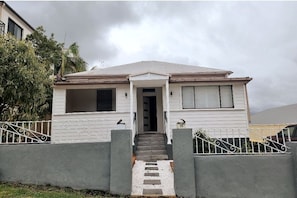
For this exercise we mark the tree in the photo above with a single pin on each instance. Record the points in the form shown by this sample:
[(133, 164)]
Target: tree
[(71, 61), (24, 81), (48, 50), (26, 68), (52, 53)]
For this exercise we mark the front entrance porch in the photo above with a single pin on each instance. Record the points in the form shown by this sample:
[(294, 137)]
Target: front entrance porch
[(149, 101), (150, 110), (151, 128)]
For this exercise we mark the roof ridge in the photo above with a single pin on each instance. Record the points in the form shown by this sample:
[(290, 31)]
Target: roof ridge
[(153, 66)]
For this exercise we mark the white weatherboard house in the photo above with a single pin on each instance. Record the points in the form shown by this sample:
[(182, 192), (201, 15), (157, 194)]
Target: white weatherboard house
[(148, 96), (11, 22)]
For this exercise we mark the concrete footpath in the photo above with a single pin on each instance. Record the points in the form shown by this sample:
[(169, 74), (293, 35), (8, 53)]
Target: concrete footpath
[(152, 179)]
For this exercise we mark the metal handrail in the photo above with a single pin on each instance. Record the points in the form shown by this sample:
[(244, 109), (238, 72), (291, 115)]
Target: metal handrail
[(25, 132), (231, 141)]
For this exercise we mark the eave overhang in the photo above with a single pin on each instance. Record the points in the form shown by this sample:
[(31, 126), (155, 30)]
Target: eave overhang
[(181, 79), (125, 79), (91, 80)]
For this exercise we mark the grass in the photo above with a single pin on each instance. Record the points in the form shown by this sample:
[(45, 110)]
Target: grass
[(13, 190)]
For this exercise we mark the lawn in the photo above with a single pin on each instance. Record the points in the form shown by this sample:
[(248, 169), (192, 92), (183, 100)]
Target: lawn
[(11, 190)]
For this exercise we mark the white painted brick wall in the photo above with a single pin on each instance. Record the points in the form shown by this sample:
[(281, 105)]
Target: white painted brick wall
[(85, 127)]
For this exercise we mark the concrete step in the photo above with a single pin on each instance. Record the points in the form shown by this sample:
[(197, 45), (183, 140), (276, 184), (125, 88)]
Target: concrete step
[(151, 136), (148, 143), (156, 134), (152, 157), (150, 152), (151, 139), (151, 147), (151, 133)]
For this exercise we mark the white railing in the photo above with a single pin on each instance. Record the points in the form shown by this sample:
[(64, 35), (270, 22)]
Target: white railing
[(25, 132), (236, 141)]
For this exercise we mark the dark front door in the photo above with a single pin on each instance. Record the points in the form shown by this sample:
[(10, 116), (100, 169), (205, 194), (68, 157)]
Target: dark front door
[(149, 113)]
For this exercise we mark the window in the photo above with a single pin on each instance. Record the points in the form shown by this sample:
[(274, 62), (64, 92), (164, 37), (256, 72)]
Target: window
[(207, 97), (14, 29), (106, 100), (90, 100)]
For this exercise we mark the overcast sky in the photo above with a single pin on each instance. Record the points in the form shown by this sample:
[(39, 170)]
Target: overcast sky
[(254, 39)]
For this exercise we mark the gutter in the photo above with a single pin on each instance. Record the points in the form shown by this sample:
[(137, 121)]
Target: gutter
[(124, 80), (214, 79)]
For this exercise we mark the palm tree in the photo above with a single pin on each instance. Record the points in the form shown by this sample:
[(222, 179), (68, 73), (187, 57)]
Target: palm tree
[(71, 61)]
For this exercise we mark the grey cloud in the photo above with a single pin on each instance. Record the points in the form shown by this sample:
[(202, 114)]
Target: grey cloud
[(256, 39), (86, 23)]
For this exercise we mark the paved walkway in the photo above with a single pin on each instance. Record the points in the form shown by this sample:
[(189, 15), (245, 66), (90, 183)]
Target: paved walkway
[(152, 178)]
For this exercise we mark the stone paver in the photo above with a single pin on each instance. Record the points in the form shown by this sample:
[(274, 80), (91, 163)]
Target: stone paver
[(152, 192), (151, 168), (151, 163), (159, 181), (152, 181), (152, 174)]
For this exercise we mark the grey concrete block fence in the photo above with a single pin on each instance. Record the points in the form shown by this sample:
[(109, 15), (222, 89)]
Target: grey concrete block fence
[(121, 163), (184, 171), (107, 166), (81, 165), (232, 176)]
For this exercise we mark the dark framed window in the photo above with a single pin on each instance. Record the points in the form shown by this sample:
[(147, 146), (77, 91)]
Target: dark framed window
[(14, 29), (106, 99), (90, 100), (207, 97)]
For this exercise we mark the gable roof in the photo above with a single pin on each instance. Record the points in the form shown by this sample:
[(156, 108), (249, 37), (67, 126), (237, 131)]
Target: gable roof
[(175, 72), (150, 67), (279, 115)]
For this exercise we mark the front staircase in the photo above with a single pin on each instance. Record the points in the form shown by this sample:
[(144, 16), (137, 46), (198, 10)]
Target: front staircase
[(151, 147)]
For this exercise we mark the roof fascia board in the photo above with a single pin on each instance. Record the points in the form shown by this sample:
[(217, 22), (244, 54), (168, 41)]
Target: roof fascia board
[(176, 80), (96, 76)]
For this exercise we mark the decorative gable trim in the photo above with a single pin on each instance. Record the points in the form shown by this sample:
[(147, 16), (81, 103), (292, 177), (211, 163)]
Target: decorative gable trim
[(148, 76)]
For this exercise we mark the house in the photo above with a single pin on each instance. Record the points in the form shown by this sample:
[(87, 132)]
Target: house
[(12, 22), (147, 96), (279, 115), (271, 121)]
